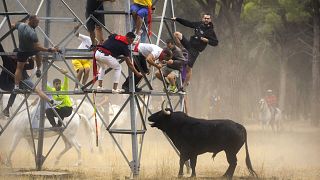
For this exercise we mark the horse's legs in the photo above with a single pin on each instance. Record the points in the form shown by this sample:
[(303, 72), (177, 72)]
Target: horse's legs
[(66, 148), (77, 146), (30, 143), (16, 139), (89, 129)]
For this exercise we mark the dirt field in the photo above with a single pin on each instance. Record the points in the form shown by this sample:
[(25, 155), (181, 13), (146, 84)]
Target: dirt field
[(291, 154)]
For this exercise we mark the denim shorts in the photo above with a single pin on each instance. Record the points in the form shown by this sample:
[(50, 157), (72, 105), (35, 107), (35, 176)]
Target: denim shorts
[(142, 11)]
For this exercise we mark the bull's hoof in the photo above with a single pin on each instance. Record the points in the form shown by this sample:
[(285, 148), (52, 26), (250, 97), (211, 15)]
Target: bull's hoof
[(180, 175)]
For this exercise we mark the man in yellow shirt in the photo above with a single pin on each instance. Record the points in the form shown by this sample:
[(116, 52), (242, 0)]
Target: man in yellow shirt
[(140, 9), (65, 108)]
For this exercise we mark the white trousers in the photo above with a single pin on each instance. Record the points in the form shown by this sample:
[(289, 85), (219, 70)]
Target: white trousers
[(108, 61)]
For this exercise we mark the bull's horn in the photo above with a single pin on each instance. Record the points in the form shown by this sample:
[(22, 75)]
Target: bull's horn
[(163, 108)]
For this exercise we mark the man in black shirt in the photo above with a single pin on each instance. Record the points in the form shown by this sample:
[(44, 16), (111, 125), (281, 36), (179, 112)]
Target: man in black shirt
[(203, 35), (7, 80), (106, 54)]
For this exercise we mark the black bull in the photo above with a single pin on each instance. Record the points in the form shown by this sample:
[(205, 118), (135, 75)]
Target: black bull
[(194, 136)]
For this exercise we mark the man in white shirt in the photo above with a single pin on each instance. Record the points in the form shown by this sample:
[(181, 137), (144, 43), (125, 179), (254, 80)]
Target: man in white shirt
[(82, 66), (147, 53)]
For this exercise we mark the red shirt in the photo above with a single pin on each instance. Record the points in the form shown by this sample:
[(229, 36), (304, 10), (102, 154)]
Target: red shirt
[(271, 100)]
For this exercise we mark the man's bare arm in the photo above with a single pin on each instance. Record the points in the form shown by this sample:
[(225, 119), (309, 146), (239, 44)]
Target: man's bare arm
[(151, 60)]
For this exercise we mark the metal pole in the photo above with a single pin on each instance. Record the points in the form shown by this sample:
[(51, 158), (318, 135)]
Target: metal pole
[(40, 159), (134, 164), (9, 23), (162, 19)]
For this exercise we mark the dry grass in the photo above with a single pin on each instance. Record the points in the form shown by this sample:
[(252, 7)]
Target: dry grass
[(292, 154)]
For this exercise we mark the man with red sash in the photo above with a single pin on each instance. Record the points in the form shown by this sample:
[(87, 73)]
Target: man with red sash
[(147, 53), (272, 103), (106, 54)]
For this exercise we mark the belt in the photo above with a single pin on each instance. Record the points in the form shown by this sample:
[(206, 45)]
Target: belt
[(104, 51)]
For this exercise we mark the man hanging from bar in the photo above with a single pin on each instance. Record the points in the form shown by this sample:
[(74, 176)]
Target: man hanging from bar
[(203, 35), (28, 46), (106, 54)]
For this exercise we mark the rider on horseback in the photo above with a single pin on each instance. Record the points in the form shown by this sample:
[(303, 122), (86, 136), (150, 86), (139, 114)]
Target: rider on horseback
[(272, 103), (65, 108)]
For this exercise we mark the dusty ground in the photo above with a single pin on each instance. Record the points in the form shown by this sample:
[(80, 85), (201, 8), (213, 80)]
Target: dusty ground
[(291, 154)]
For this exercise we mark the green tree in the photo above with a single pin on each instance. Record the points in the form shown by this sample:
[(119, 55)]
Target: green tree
[(275, 21)]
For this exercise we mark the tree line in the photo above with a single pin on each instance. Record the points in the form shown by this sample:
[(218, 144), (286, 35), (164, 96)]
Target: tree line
[(264, 44)]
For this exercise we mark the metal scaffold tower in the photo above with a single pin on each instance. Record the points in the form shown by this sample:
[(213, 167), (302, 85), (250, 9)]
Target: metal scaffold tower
[(139, 102)]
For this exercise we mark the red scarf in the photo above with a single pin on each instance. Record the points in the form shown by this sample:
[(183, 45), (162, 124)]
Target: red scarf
[(161, 56), (136, 47), (122, 39), (149, 20), (95, 70)]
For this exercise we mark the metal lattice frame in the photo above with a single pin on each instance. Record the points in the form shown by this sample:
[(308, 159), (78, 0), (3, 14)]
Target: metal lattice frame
[(137, 100)]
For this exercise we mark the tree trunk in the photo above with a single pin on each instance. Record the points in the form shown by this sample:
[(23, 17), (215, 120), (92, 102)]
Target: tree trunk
[(315, 65), (283, 78)]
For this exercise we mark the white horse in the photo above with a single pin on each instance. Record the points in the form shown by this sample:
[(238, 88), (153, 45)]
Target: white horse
[(120, 122), (265, 116), (20, 124)]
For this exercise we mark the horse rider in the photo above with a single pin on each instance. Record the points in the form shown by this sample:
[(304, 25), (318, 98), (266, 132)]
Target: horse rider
[(65, 108), (272, 103)]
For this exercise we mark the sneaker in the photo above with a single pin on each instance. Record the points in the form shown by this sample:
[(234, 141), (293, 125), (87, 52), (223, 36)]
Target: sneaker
[(6, 112), (172, 89), (77, 90), (55, 103), (125, 88), (181, 91), (117, 91), (100, 88)]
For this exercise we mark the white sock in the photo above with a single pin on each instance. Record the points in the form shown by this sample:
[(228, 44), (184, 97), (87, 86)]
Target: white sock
[(16, 86)]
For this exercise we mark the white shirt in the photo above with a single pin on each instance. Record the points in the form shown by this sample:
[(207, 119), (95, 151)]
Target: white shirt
[(85, 41), (145, 49)]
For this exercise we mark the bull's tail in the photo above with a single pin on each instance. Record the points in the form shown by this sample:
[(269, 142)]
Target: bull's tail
[(248, 161)]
